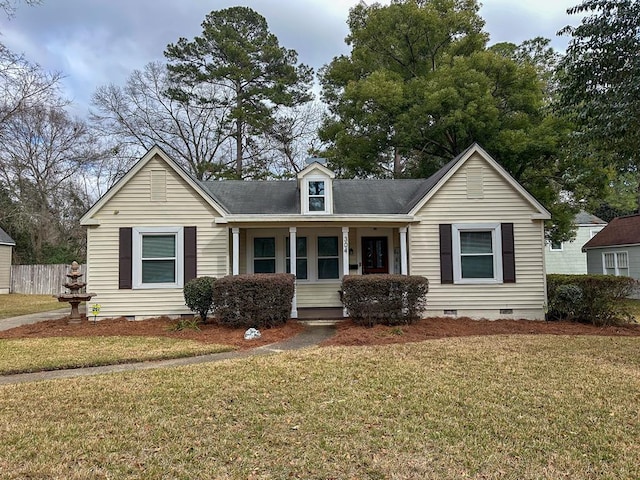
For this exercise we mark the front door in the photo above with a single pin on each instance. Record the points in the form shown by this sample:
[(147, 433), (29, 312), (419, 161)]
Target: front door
[(375, 255)]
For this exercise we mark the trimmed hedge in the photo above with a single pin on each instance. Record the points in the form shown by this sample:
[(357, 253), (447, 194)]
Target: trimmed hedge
[(261, 300), (384, 299), (198, 295), (595, 299)]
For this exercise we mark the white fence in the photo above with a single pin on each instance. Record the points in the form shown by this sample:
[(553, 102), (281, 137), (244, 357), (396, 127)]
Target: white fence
[(41, 279)]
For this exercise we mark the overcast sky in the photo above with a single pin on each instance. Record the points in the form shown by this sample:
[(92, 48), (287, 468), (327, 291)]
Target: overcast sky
[(96, 42)]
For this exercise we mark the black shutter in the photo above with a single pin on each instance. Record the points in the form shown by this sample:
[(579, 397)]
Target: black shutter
[(190, 254), (508, 254), (125, 258), (446, 254)]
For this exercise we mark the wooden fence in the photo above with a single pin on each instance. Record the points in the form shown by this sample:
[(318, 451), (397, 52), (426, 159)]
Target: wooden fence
[(41, 279)]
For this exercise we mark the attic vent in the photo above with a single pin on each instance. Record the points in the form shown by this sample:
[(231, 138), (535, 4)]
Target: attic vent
[(158, 186), (475, 188)]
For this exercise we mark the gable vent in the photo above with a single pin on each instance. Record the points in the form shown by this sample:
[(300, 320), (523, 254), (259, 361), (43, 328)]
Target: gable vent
[(475, 187), (158, 186)]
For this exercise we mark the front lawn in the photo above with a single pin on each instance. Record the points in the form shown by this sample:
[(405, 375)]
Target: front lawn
[(35, 354), (15, 304), (495, 407)]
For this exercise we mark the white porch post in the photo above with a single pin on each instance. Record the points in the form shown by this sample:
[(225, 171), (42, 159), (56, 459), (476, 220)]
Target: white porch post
[(236, 251), (294, 269), (345, 250), (345, 258), (403, 251)]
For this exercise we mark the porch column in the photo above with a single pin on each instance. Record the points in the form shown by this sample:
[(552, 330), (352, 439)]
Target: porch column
[(345, 258), (236, 251), (293, 250), (345, 250), (403, 251)]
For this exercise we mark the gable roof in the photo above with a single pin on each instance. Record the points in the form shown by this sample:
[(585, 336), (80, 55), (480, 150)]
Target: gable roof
[(620, 231), (585, 218), (446, 172), (153, 152), (5, 239), (350, 196)]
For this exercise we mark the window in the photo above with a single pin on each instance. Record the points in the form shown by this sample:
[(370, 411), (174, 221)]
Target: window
[(477, 253), (158, 257), (264, 255), (556, 246), (615, 263), (316, 196), (328, 258), (301, 257)]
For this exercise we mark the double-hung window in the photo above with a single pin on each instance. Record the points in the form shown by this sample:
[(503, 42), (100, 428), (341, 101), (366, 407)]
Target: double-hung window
[(264, 255), (158, 257), (317, 198), (301, 257), (615, 263), (477, 253), (328, 258)]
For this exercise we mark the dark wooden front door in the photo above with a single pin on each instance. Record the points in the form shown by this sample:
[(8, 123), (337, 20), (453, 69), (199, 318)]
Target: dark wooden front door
[(375, 255)]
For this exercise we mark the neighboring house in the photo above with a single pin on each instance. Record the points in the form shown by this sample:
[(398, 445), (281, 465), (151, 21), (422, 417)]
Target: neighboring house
[(471, 229), (6, 248), (615, 250), (568, 257)]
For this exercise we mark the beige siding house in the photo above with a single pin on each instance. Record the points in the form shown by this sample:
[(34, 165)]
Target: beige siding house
[(6, 248), (471, 229)]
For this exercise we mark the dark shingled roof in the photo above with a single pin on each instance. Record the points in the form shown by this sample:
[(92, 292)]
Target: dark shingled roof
[(619, 231), (584, 218), (5, 238), (350, 197)]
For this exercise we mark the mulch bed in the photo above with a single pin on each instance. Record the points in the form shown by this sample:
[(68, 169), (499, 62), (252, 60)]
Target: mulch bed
[(347, 333)]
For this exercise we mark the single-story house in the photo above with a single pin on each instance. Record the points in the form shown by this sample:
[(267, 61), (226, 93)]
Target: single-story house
[(615, 250), (470, 228), (568, 257), (6, 248)]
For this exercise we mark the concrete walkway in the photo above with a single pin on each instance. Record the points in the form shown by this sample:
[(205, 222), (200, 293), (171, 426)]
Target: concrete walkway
[(311, 336)]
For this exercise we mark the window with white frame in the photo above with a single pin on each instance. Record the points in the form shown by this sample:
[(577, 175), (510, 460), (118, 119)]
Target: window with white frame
[(615, 263), (477, 253), (556, 246), (328, 258), (317, 198), (301, 257), (264, 255), (158, 257)]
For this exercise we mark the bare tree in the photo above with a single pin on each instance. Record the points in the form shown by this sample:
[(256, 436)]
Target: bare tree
[(23, 84), (41, 164), (140, 115)]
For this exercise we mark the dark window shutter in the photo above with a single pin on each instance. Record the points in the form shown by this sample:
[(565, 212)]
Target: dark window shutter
[(125, 258), (508, 254), (190, 254), (446, 254)]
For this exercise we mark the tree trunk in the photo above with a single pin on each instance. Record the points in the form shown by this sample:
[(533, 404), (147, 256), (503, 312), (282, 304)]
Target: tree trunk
[(397, 163), (239, 152)]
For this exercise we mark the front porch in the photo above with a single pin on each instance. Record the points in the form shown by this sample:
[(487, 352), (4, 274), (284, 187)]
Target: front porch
[(320, 255)]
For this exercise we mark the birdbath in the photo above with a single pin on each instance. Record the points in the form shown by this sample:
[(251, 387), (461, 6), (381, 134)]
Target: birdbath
[(74, 297)]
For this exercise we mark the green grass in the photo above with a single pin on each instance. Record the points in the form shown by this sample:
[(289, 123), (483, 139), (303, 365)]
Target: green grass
[(519, 407), (15, 304), (35, 354)]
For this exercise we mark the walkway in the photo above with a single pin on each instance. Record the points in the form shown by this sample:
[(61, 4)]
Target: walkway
[(311, 336)]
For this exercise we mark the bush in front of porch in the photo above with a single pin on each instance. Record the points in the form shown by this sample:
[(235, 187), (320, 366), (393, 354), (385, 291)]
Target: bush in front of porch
[(257, 300), (384, 299)]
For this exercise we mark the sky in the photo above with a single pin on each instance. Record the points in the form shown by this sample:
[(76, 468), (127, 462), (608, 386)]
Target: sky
[(98, 42)]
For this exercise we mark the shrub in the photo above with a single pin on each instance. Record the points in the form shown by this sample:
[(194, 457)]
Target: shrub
[(184, 324), (595, 299), (198, 295), (384, 299), (259, 300)]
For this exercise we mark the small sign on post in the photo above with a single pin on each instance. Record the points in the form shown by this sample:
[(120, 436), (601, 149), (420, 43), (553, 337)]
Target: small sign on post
[(95, 311)]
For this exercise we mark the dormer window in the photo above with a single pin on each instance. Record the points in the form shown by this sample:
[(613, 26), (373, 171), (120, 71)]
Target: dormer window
[(317, 200)]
